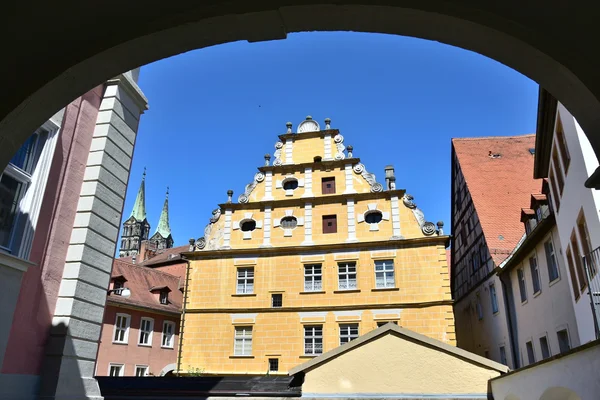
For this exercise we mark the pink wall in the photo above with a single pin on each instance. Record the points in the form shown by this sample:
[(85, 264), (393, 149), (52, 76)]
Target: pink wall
[(131, 354), (39, 289)]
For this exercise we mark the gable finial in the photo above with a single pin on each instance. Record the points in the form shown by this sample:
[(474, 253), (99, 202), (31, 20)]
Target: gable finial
[(289, 127), (327, 123)]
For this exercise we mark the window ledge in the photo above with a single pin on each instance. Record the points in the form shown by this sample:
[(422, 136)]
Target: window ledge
[(387, 289), (121, 343), (310, 355), (347, 291), (313, 292), (241, 356), (524, 302), (144, 345), (536, 294), (167, 347), (243, 295), (552, 283)]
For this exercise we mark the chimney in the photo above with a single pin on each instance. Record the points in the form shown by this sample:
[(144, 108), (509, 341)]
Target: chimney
[(389, 172), (142, 253)]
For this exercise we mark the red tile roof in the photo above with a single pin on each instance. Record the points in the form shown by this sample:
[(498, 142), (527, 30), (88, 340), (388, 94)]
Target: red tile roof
[(140, 280), (499, 187), (166, 255)]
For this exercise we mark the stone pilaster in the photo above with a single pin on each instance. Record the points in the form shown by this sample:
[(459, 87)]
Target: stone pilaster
[(351, 221), (268, 186), (288, 151), (267, 227), (68, 370), (396, 234), (327, 143), (308, 182), (227, 229), (308, 240), (349, 179)]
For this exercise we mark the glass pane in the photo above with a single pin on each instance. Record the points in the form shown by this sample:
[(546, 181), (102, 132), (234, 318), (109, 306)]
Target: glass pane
[(25, 155), (10, 193)]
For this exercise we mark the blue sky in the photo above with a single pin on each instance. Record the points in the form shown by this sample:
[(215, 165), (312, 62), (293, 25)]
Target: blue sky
[(215, 112)]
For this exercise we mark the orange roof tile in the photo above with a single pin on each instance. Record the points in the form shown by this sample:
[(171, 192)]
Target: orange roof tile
[(499, 186), (166, 255), (140, 280)]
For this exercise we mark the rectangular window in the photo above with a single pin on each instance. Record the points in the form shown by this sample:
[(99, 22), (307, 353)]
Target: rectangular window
[(578, 262), (530, 352), (141, 370), (243, 341), (563, 341), (584, 239), (313, 340), (560, 180), (551, 261), (562, 146), (118, 287), (574, 283), (146, 327), (168, 334), (348, 332), (116, 369), (382, 323), (328, 185), (555, 193), (313, 278), (329, 223), (384, 274), (164, 297), (273, 364), (276, 300), (121, 333), (493, 298), (347, 276), (245, 280), (503, 355), (522, 287), (479, 307), (545, 348), (482, 254), (535, 275)]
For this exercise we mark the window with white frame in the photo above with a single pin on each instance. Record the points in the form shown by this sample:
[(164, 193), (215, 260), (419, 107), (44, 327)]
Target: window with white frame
[(163, 297), (522, 286), (245, 280), (121, 332), (141, 370), (313, 340), (116, 369), (168, 334), (535, 274), (348, 332), (313, 278), (493, 298), (551, 261), (347, 276), (243, 341), (22, 185), (384, 274), (146, 327)]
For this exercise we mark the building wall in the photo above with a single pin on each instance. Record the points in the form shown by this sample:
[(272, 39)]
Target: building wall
[(483, 336), (576, 198), (373, 369), (547, 311), (131, 354)]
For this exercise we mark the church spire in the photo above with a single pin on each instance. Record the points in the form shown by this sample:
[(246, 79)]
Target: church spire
[(139, 208), (163, 223)]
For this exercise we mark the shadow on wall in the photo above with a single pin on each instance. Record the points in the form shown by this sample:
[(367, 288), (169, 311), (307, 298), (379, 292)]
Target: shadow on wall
[(559, 393)]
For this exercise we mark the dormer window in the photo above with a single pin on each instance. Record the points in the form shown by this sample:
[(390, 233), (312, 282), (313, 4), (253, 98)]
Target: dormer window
[(164, 297), (118, 284)]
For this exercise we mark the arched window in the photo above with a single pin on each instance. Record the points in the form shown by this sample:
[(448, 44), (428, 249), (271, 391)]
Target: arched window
[(373, 217), (248, 226), (289, 222)]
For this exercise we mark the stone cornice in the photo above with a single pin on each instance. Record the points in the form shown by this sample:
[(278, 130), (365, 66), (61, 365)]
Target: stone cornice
[(308, 135), (324, 199), (316, 248), (546, 116), (132, 89), (323, 165)]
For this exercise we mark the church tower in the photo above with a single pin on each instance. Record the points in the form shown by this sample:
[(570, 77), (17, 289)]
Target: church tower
[(162, 237), (136, 228)]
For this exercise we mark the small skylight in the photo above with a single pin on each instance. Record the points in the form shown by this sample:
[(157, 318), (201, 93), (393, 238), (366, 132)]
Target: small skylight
[(532, 151), (494, 155)]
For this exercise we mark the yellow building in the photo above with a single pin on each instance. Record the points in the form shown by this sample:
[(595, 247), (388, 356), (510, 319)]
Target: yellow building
[(315, 253)]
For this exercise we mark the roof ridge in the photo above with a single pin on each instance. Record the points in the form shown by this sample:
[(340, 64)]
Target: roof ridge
[(150, 269), (493, 137)]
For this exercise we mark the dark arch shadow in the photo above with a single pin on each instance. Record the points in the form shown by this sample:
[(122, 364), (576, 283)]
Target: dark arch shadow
[(548, 45)]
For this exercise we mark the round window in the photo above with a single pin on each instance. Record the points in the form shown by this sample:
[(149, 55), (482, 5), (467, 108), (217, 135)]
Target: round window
[(373, 217), (289, 222), (248, 226), (290, 184)]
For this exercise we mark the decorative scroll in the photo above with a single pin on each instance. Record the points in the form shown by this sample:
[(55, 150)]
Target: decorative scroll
[(376, 187), (339, 144), (428, 228), (245, 197), (211, 236), (278, 148)]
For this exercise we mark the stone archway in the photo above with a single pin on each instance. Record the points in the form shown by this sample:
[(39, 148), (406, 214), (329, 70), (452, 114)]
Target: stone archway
[(168, 369), (560, 59)]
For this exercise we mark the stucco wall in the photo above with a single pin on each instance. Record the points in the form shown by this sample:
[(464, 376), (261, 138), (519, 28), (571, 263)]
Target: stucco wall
[(572, 377), (548, 311), (577, 197), (131, 354), (393, 365), (486, 334)]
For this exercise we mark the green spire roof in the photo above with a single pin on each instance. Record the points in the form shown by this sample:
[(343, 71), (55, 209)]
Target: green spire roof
[(163, 223), (139, 208)]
